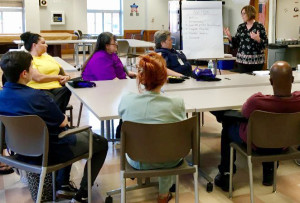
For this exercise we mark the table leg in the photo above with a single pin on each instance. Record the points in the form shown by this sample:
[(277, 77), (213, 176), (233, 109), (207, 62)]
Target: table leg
[(209, 186), (134, 52), (215, 62), (113, 129), (76, 55), (83, 50), (108, 137), (102, 128)]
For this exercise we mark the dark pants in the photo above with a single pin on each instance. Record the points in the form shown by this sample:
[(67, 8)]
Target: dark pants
[(118, 130), (79, 146), (230, 133), (3, 80), (61, 97), (248, 68)]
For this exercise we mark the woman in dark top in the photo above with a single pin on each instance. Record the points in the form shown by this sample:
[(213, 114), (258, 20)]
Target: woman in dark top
[(251, 40)]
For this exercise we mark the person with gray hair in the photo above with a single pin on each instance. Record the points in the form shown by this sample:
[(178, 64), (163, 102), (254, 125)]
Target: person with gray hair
[(176, 60)]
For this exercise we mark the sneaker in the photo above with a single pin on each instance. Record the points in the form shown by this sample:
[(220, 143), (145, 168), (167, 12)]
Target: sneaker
[(165, 199), (81, 196), (173, 188), (222, 181), (67, 191)]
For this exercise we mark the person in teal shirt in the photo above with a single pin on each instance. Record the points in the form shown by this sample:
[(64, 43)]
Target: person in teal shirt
[(150, 106)]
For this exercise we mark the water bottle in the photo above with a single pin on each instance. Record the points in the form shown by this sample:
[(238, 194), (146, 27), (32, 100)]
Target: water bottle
[(210, 65)]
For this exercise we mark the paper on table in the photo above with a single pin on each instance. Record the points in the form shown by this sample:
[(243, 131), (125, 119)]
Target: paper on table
[(262, 72), (227, 55)]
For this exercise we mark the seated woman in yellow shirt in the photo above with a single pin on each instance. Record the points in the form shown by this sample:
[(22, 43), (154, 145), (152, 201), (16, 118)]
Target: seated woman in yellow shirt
[(48, 75)]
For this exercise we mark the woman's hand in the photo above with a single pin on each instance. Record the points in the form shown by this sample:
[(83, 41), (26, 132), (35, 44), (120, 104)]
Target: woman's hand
[(227, 33), (255, 36), (132, 74), (173, 73), (64, 79)]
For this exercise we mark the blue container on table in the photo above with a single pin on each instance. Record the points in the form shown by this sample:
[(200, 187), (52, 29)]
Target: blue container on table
[(226, 64)]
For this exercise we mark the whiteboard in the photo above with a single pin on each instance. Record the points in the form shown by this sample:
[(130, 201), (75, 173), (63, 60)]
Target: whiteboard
[(202, 29), (288, 19)]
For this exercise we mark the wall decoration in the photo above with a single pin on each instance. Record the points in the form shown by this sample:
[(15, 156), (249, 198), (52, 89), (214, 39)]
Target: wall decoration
[(262, 13), (134, 9)]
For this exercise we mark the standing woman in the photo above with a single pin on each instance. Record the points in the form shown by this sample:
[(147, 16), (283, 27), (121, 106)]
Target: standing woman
[(47, 74), (251, 40), (104, 63)]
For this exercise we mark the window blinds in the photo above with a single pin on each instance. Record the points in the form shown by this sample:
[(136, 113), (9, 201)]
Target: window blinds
[(11, 3)]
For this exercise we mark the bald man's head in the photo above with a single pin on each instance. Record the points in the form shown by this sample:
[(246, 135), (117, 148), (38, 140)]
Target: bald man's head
[(281, 77)]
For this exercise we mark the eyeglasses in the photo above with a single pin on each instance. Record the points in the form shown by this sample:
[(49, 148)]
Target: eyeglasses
[(243, 14)]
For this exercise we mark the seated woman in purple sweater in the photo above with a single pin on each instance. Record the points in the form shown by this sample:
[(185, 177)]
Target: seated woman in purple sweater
[(104, 64)]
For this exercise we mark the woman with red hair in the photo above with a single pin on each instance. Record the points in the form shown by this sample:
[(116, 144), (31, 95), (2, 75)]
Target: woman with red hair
[(150, 106)]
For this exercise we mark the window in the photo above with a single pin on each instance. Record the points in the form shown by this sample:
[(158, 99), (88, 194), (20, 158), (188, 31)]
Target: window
[(11, 16), (104, 16)]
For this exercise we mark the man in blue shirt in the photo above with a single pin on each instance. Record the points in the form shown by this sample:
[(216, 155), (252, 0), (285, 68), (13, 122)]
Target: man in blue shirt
[(17, 99)]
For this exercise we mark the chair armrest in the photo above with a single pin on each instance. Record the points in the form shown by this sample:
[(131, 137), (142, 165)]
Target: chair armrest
[(73, 131)]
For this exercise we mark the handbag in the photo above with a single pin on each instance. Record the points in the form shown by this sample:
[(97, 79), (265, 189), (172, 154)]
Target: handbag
[(80, 83), (204, 75)]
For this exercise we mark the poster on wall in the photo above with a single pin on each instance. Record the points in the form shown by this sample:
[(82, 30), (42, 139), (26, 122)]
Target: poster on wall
[(262, 13), (134, 9)]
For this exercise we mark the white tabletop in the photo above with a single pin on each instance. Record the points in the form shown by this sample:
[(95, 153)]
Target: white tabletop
[(66, 66), (57, 42), (221, 99), (228, 81), (294, 45), (138, 43), (103, 100), (232, 80)]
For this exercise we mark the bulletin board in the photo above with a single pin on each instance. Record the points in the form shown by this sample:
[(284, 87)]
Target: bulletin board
[(287, 19)]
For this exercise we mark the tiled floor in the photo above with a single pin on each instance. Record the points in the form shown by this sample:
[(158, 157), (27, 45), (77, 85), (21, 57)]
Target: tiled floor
[(288, 186)]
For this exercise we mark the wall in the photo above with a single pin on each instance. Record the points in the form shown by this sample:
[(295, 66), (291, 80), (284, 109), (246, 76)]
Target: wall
[(134, 22), (232, 14), (75, 15), (285, 13), (75, 12), (79, 17), (157, 15), (153, 15), (32, 22)]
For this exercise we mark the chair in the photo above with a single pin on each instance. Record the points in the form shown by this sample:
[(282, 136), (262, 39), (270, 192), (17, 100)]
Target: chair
[(79, 35), (28, 136), (124, 51), (157, 143), (282, 130), (70, 108)]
